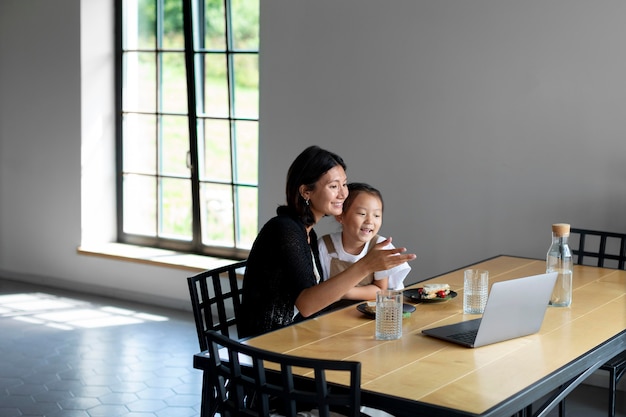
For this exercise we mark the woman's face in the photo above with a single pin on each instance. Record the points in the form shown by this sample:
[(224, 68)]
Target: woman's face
[(362, 220), (326, 199)]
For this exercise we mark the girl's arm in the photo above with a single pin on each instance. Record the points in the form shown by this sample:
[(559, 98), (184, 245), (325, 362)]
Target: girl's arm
[(367, 292)]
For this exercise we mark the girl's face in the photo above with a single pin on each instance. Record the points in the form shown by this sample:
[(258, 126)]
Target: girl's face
[(326, 199), (362, 220)]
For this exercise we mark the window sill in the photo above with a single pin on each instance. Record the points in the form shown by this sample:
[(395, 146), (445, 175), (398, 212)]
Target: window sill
[(153, 256)]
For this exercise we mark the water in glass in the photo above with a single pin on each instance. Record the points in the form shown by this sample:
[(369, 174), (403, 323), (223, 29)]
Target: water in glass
[(388, 314)]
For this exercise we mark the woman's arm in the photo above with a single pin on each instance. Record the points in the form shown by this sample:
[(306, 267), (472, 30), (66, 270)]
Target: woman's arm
[(315, 298)]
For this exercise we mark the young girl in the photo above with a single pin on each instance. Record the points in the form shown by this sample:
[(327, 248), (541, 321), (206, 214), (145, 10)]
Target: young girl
[(283, 283), (361, 219)]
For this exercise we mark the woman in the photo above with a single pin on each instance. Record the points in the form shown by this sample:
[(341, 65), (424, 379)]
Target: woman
[(283, 283)]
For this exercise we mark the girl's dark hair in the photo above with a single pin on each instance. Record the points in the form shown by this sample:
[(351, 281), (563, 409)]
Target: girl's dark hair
[(306, 169), (355, 188)]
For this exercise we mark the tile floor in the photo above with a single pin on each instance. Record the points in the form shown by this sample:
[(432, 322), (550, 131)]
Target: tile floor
[(74, 355)]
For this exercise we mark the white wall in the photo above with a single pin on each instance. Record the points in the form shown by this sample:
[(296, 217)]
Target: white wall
[(56, 123), (481, 121)]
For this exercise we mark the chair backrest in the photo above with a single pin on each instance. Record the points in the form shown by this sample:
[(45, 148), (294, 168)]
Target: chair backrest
[(598, 248), (269, 379), (216, 300)]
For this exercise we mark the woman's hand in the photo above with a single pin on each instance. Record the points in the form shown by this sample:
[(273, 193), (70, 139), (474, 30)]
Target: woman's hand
[(380, 259)]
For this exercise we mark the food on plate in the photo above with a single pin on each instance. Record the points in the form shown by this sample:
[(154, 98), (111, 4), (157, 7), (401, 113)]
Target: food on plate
[(430, 291), (370, 307)]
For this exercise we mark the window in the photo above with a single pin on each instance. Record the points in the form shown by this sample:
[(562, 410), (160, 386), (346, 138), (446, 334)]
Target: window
[(188, 124)]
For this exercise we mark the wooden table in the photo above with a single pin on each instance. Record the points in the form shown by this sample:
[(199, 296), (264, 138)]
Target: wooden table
[(419, 375)]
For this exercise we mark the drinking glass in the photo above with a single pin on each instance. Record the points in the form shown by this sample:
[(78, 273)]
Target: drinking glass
[(475, 291), (388, 314)]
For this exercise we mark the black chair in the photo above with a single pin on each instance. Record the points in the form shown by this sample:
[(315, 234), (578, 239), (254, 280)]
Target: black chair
[(607, 250), (272, 387), (216, 300)]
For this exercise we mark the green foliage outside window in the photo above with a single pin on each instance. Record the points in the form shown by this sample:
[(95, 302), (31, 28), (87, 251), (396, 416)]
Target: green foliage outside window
[(158, 206)]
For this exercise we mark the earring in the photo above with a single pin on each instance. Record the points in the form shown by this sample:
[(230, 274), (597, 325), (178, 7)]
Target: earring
[(307, 201)]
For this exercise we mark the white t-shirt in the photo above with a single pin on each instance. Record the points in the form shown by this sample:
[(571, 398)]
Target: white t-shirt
[(396, 275)]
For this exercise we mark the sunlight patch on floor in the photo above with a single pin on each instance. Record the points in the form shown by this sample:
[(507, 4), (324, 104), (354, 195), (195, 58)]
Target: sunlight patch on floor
[(68, 314)]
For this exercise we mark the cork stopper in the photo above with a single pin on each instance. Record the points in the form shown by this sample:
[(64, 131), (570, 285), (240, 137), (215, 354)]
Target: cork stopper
[(560, 229)]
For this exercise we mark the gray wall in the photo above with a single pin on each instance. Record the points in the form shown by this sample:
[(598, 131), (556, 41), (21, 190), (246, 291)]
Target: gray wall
[(481, 121)]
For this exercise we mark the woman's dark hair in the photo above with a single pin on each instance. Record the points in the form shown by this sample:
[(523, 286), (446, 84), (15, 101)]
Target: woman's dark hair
[(356, 188), (306, 169)]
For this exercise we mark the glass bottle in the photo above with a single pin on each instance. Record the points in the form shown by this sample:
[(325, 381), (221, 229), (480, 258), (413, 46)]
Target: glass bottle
[(559, 259)]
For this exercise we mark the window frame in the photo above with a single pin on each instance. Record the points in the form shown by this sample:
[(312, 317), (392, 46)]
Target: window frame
[(193, 48)]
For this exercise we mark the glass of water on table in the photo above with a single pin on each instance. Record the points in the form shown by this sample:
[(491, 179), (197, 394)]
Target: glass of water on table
[(388, 314), (475, 291)]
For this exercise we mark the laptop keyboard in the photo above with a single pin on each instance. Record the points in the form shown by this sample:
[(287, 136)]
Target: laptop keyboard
[(466, 337)]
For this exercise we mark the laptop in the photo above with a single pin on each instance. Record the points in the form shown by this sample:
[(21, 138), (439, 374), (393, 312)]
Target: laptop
[(514, 308)]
